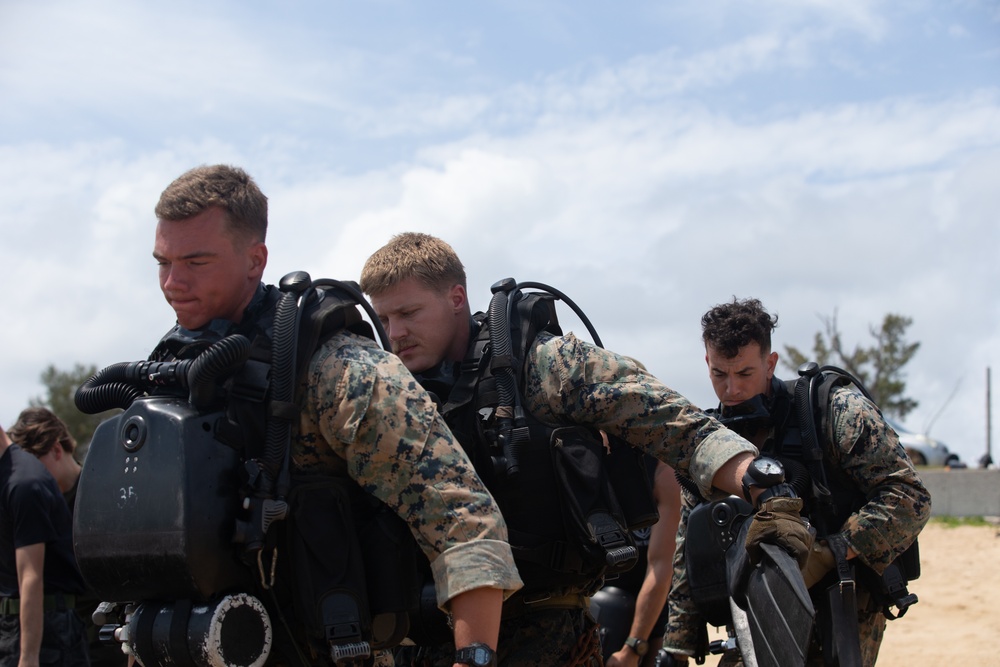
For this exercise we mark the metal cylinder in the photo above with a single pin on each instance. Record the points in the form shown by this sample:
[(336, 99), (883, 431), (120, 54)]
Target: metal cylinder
[(234, 631)]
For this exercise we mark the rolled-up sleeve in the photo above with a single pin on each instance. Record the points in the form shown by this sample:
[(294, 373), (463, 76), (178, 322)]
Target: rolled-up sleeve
[(572, 380)]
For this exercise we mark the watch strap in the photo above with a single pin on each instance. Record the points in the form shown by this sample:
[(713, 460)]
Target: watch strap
[(640, 646), (477, 655), (748, 481)]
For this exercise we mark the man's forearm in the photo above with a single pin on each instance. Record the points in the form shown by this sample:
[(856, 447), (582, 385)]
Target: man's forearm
[(729, 477), (31, 589), (649, 604), (476, 616), (32, 614)]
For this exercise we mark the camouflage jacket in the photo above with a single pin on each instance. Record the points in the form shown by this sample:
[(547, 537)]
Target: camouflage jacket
[(858, 442), (572, 381), (364, 414)]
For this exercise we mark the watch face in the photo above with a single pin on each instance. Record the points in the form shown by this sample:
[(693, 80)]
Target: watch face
[(477, 655), (640, 646), (769, 466), (767, 471)]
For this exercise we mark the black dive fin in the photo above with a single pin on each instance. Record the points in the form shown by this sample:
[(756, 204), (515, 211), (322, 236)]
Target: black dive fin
[(779, 612)]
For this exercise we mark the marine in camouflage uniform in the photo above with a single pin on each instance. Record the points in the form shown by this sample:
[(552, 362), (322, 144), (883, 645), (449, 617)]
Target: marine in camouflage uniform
[(361, 412), (567, 381), (855, 440), (571, 380)]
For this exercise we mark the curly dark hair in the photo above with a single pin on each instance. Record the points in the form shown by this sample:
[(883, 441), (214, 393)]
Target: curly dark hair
[(728, 327)]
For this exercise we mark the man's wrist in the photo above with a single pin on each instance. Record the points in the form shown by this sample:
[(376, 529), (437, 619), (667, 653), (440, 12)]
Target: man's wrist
[(638, 646), (477, 655)]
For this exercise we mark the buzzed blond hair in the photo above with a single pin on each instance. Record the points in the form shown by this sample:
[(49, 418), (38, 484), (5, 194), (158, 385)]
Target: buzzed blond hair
[(429, 260)]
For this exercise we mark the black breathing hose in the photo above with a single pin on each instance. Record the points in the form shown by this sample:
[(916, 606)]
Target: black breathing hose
[(107, 389), (282, 380), (501, 347), (117, 385), (222, 358)]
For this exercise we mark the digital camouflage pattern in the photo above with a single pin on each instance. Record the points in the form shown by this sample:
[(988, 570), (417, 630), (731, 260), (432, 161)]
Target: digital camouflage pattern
[(364, 414), (572, 381), (858, 442), (684, 629), (868, 451)]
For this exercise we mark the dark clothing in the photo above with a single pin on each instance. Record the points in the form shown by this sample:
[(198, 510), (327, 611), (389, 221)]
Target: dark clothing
[(33, 511), (64, 640)]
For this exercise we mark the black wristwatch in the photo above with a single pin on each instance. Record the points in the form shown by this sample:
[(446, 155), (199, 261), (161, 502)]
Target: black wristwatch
[(640, 646), (764, 472), (477, 655)]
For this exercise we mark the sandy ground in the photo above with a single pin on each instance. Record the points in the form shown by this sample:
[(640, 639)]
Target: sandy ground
[(957, 620)]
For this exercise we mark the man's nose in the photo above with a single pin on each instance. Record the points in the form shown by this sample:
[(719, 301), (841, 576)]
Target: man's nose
[(394, 329), (732, 388), (172, 277)]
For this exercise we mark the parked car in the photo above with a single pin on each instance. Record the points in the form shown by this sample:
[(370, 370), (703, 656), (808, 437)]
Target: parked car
[(923, 450)]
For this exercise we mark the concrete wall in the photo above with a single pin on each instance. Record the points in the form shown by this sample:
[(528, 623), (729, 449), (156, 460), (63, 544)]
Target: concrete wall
[(965, 492)]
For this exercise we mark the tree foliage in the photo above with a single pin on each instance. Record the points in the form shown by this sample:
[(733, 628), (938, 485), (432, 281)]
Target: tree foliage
[(879, 366), (61, 386)]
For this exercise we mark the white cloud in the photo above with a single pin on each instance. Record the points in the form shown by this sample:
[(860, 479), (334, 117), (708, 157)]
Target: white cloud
[(648, 187)]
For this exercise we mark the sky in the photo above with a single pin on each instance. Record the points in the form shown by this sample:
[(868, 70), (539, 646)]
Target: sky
[(649, 159)]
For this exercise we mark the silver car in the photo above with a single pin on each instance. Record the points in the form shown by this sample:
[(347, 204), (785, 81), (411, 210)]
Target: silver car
[(923, 450)]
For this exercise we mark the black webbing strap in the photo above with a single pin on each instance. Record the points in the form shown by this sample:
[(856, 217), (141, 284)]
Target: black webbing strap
[(843, 646), (812, 453)]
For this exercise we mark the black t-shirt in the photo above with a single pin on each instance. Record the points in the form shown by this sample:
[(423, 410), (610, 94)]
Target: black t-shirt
[(33, 511)]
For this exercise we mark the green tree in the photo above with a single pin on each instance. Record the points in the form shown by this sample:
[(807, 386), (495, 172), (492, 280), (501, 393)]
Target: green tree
[(61, 386), (879, 366)]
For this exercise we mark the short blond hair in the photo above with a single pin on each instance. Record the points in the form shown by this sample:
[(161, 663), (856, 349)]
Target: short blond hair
[(428, 259)]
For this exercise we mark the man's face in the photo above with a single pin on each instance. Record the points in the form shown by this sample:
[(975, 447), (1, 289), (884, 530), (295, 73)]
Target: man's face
[(425, 326), (206, 272), (742, 377)]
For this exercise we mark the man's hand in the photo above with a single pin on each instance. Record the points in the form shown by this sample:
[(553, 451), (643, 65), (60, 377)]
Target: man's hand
[(819, 562), (778, 522), (625, 657)]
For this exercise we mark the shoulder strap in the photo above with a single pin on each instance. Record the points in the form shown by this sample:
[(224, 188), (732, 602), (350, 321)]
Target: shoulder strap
[(812, 398), (306, 313)]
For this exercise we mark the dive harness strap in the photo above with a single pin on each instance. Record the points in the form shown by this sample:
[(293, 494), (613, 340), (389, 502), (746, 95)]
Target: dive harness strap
[(842, 644)]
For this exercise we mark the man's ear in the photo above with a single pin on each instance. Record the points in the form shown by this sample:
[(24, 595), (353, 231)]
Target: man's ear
[(772, 363), (458, 298), (258, 259)]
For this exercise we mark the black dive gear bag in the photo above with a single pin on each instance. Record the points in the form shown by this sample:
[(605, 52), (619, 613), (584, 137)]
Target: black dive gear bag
[(569, 499), (190, 524)]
